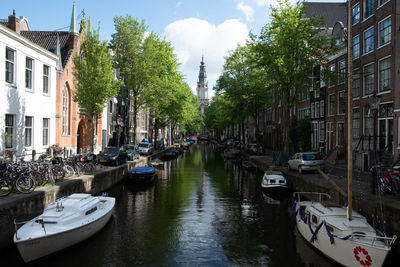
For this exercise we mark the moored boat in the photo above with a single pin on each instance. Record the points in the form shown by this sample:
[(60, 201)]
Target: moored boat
[(326, 227), (274, 184), (142, 174), (65, 222), (248, 165)]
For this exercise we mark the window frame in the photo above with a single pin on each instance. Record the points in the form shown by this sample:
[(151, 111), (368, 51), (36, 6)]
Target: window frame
[(367, 7), (331, 112), (339, 103), (365, 40), (46, 79), (354, 14), (10, 71), (356, 72), (364, 79), (356, 55), (28, 132), (29, 74), (380, 44), (65, 111), (380, 74), (45, 131), (342, 71), (10, 131)]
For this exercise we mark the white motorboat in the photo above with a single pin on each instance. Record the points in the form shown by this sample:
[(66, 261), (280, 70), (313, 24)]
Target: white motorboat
[(65, 222), (274, 184), (326, 227)]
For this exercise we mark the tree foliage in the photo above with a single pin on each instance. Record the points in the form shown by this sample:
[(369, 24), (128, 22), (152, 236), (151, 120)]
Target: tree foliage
[(94, 75)]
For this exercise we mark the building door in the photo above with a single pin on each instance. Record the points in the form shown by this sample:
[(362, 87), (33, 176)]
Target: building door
[(81, 143)]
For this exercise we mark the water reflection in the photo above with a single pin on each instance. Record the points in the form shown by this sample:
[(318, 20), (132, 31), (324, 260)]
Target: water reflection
[(201, 211)]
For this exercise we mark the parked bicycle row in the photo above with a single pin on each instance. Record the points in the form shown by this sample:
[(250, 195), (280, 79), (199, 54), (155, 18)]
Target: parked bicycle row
[(25, 176)]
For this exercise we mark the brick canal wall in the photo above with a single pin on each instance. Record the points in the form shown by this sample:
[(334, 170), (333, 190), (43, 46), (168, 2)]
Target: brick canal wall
[(24, 207)]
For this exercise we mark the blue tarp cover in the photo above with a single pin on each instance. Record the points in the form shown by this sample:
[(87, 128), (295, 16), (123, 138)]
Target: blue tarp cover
[(143, 170)]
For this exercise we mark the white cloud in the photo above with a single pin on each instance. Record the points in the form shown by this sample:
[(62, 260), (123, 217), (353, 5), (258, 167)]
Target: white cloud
[(261, 2), (247, 10), (191, 36)]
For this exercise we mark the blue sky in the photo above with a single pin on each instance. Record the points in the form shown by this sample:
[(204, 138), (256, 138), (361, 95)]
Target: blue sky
[(192, 26)]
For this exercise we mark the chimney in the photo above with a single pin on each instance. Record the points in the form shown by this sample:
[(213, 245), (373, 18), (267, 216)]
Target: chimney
[(13, 23)]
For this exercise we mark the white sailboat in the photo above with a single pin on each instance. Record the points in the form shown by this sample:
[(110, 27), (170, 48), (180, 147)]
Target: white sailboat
[(338, 232), (65, 222)]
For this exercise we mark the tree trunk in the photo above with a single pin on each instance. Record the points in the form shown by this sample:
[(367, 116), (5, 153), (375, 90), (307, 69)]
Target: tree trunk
[(155, 132), (286, 146), (134, 119)]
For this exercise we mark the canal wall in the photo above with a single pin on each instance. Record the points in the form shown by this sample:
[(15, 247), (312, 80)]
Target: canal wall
[(384, 208), (23, 207)]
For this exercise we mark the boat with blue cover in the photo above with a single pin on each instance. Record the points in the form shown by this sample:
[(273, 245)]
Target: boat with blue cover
[(142, 174)]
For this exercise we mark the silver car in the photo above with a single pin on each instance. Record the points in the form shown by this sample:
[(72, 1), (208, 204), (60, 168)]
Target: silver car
[(146, 148), (306, 161)]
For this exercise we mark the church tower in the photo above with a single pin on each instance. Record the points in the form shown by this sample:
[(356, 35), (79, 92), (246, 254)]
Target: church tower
[(202, 87)]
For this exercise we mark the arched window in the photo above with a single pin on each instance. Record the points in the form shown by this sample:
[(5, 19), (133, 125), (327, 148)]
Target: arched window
[(65, 116)]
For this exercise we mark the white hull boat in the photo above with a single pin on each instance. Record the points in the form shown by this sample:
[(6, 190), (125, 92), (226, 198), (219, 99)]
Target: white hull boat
[(65, 222), (274, 184), (348, 242)]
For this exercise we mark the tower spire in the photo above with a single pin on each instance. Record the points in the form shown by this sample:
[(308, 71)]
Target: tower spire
[(73, 27)]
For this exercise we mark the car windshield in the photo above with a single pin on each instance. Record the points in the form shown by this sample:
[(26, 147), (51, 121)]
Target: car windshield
[(112, 150), (144, 145), (312, 156)]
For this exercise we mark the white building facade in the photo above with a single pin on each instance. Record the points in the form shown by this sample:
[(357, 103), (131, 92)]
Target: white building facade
[(27, 95)]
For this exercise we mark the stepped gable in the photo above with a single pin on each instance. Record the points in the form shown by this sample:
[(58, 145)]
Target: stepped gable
[(48, 39)]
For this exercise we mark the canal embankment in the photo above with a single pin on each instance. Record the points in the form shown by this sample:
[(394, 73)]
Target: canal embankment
[(23, 207), (385, 208)]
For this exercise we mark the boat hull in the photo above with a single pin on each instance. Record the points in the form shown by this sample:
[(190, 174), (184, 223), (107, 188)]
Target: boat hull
[(142, 178), (345, 252), (33, 249), (276, 192)]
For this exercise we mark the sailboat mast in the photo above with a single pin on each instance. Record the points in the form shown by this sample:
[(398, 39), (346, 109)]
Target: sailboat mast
[(349, 115)]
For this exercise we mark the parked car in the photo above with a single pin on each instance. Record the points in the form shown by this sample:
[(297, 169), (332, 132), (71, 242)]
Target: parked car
[(159, 145), (113, 156), (146, 148), (306, 161), (133, 151)]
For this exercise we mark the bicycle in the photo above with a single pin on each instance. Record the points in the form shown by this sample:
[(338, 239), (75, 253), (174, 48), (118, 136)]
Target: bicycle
[(12, 177)]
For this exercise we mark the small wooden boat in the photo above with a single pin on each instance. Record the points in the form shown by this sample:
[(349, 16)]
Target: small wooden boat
[(157, 163), (142, 174), (65, 222), (274, 184), (248, 165)]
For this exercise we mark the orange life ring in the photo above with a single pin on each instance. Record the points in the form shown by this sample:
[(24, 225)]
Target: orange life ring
[(362, 256)]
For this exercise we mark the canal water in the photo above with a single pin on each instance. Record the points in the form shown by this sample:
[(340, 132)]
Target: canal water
[(202, 211)]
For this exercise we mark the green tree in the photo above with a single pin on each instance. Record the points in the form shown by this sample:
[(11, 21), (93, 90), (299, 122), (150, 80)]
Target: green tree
[(131, 49), (94, 76), (287, 49)]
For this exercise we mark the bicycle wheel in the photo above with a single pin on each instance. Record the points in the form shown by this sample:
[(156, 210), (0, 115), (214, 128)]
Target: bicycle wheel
[(69, 171), (5, 187), (58, 173), (25, 184)]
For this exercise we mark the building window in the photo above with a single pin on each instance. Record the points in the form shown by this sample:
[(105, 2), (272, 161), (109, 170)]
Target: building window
[(369, 79), (9, 136), (322, 108), (28, 72), (46, 73), (340, 133), (368, 8), (356, 46), (312, 110), (385, 74), (368, 124), (385, 126), (10, 59), (369, 40), (356, 124), (332, 79), (332, 101), (321, 131), (342, 71), (341, 103), (28, 131), (65, 118), (317, 110), (111, 106), (381, 2), (385, 31), (356, 83), (356, 13), (46, 131)]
